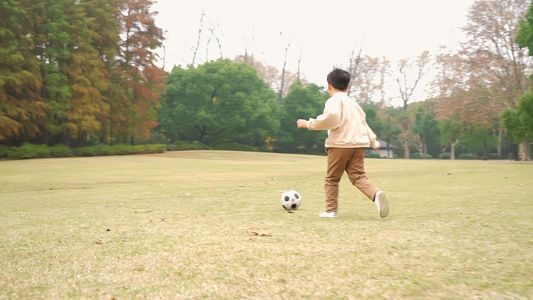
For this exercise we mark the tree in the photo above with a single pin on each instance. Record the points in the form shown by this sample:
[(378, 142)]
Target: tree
[(451, 131), (218, 102), (134, 114), (480, 139), (85, 71), (519, 123), (372, 119), (410, 72), (426, 129), (22, 108), (104, 27), (406, 137), (488, 74), (391, 129), (301, 103), (367, 77)]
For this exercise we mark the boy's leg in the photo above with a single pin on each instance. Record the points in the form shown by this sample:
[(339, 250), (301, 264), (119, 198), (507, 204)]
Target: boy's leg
[(355, 168), (337, 159)]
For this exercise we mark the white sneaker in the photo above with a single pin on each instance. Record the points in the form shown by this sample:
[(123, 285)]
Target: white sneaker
[(381, 202), (328, 214)]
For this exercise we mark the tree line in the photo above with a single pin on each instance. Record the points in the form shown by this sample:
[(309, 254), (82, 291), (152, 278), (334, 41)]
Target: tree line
[(80, 72), (76, 71)]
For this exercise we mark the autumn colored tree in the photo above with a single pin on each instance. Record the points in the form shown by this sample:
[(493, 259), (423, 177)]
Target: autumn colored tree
[(367, 77), (133, 113), (22, 108), (103, 30), (488, 74), (65, 76), (87, 76), (409, 73)]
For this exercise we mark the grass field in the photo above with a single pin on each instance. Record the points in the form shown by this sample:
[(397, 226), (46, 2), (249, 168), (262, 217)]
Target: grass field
[(176, 226)]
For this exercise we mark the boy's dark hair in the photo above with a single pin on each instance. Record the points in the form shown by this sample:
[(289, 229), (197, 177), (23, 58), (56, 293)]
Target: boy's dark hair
[(339, 79)]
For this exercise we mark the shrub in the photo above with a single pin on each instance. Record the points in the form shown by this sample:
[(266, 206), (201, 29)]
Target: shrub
[(445, 155), (466, 156), (61, 151), (3, 151), (418, 155), (155, 148), (494, 156), (182, 145), (371, 154), (85, 151), (121, 149), (32, 151), (28, 151)]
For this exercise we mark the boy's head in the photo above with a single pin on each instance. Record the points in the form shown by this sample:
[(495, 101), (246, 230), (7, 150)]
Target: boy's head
[(339, 79)]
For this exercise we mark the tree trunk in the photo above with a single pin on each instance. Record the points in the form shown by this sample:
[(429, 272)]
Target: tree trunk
[(501, 135), (524, 150), (202, 132), (406, 150), (452, 150)]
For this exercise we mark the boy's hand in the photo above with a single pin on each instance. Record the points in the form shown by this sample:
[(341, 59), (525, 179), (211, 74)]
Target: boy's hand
[(301, 123)]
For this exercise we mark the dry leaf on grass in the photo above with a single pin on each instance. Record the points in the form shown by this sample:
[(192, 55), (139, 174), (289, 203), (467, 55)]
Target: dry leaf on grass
[(101, 242), (257, 232)]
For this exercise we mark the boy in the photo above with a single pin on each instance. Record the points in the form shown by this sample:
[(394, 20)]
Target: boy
[(348, 136)]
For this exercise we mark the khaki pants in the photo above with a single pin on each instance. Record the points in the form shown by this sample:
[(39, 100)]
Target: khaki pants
[(350, 160)]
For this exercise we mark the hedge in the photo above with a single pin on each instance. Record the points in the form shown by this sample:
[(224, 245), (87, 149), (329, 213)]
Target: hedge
[(40, 151)]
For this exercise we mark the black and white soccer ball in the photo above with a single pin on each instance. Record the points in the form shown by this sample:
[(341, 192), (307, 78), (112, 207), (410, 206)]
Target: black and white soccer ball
[(291, 200)]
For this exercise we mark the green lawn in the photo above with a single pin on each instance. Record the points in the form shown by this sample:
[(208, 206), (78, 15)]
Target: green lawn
[(176, 226)]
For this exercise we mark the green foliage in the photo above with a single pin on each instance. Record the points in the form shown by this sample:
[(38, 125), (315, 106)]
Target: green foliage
[(182, 145), (29, 151), (418, 155), (371, 154), (3, 151), (61, 151), (39, 151), (466, 156), (519, 122), (218, 102), (524, 38), (371, 111), (445, 155), (301, 103), (450, 131), (235, 147), (427, 129)]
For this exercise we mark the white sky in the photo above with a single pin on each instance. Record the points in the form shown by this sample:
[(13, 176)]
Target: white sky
[(326, 32)]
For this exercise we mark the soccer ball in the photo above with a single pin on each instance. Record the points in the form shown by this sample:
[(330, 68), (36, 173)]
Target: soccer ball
[(291, 200)]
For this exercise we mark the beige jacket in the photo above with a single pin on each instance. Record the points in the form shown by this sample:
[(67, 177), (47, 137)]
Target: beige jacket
[(345, 122)]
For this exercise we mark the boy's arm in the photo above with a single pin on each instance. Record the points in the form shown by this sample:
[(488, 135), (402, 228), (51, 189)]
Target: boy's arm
[(329, 119)]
